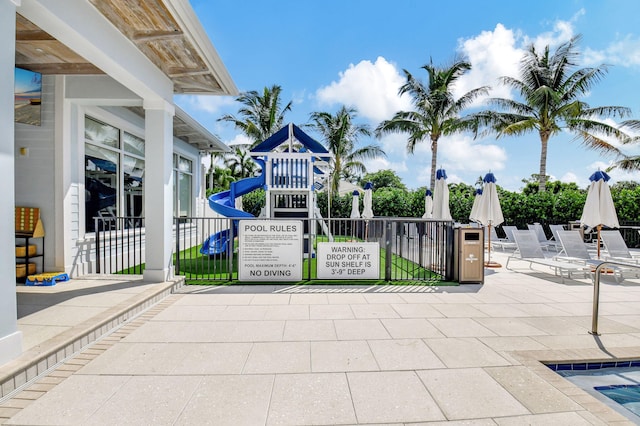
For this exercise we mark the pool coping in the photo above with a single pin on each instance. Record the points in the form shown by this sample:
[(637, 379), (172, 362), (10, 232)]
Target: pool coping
[(538, 362)]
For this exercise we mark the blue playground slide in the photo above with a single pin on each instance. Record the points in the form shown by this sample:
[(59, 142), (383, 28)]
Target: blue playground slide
[(224, 203)]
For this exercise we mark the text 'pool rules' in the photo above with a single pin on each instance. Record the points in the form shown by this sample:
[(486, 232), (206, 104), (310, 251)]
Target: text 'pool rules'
[(270, 250)]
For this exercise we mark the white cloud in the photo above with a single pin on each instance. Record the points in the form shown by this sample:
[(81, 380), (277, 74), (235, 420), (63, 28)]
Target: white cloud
[(211, 104), (463, 153), (239, 139), (492, 54), (497, 53), (562, 32), (395, 144), (299, 97), (570, 177), (454, 178), (624, 52), (380, 163), (370, 87)]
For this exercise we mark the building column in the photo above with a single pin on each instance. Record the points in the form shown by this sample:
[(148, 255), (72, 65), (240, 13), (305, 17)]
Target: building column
[(10, 337), (158, 190)]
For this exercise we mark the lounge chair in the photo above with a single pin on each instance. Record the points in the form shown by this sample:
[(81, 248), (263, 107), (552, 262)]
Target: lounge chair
[(509, 242), (529, 250), (575, 250), (617, 249), (542, 237), (554, 231), (501, 243)]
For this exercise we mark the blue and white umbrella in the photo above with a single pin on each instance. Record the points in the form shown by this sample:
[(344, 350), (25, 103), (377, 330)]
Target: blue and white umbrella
[(428, 205), (599, 209), (367, 211), (489, 211), (441, 196), (355, 205)]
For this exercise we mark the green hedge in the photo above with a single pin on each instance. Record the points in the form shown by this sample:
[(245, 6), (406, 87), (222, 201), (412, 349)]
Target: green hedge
[(518, 208)]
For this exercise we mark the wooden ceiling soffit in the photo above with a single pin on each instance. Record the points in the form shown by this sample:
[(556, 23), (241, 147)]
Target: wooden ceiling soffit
[(152, 28), (39, 51)]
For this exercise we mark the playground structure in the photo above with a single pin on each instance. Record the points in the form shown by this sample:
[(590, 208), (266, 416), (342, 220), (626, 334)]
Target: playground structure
[(293, 164)]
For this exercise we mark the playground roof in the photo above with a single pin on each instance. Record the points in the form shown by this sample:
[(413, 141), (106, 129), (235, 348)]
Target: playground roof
[(284, 134)]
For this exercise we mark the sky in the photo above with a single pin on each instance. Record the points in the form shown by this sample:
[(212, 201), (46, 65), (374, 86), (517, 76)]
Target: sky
[(325, 54)]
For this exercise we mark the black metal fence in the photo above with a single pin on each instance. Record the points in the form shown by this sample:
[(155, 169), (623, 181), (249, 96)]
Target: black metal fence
[(119, 245), (206, 249), (410, 249)]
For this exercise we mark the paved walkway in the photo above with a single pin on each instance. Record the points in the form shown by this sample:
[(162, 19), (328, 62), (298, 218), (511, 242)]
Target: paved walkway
[(346, 355)]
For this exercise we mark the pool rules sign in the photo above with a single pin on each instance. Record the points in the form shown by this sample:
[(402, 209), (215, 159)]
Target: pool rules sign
[(339, 261), (270, 250)]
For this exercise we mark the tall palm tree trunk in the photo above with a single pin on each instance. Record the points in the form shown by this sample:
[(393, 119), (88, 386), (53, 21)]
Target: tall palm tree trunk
[(542, 179), (434, 161)]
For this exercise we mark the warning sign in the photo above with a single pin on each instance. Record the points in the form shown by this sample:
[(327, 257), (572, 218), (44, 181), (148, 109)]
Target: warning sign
[(348, 261)]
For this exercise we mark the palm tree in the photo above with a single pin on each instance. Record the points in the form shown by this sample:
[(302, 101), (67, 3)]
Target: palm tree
[(551, 92), (240, 163), (220, 179), (435, 111), (340, 134), (261, 115)]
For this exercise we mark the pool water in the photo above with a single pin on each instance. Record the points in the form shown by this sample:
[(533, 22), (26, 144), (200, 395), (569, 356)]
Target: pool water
[(616, 384), (626, 395)]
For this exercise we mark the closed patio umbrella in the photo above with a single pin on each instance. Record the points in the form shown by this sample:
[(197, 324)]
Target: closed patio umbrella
[(428, 205), (598, 208), (441, 196), (489, 211), (367, 210), (355, 205), (355, 213), (476, 203)]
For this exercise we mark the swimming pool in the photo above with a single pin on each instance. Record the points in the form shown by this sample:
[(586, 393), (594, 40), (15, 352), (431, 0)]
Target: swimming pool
[(617, 384)]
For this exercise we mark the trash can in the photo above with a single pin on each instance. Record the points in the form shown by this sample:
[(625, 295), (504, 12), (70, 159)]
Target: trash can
[(470, 255)]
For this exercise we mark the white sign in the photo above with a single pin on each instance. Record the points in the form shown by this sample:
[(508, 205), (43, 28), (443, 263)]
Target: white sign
[(270, 250), (340, 261)]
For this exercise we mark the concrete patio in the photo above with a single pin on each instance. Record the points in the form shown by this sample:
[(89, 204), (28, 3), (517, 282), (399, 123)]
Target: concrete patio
[(323, 355)]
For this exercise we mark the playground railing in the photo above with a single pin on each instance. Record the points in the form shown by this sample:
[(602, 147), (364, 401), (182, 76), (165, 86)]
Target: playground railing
[(206, 248)]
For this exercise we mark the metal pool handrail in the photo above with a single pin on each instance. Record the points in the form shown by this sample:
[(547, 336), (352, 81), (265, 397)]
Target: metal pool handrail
[(596, 291)]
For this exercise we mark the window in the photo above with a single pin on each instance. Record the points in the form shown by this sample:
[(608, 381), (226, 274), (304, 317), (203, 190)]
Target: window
[(183, 186), (114, 173)]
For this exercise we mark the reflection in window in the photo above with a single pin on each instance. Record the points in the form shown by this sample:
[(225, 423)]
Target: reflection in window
[(100, 184), (133, 176), (113, 180), (183, 186), (133, 144), (104, 134)]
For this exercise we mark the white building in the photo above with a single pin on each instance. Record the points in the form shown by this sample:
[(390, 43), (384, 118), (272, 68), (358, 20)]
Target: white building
[(109, 71)]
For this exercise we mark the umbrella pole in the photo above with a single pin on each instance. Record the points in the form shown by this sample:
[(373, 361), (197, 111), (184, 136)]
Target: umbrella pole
[(598, 239), (489, 263)]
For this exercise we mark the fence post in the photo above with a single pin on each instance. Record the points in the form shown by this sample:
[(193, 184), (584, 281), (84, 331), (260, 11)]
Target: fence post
[(230, 248), (449, 250), (177, 222), (388, 250), (98, 257)]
